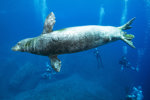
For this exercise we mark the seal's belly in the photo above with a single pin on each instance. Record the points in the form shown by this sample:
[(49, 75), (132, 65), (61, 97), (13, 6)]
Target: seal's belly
[(72, 40)]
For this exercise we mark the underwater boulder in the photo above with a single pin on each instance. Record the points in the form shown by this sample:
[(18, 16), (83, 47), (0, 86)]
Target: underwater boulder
[(72, 88), (25, 77)]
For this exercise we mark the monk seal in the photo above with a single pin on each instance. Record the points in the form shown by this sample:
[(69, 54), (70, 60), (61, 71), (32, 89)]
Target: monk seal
[(70, 40)]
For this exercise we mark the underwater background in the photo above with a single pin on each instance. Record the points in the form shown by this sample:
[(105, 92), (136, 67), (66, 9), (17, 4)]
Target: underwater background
[(83, 75)]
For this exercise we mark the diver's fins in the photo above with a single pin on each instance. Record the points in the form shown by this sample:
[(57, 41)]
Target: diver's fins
[(127, 25), (127, 39), (55, 63)]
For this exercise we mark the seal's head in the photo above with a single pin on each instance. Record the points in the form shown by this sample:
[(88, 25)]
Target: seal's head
[(22, 45)]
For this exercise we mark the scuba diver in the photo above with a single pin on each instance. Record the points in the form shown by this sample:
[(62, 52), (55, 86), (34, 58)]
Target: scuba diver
[(98, 58), (126, 64), (136, 94), (49, 72)]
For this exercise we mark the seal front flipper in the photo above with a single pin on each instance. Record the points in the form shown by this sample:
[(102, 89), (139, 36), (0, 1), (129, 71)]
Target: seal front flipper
[(55, 63), (49, 23)]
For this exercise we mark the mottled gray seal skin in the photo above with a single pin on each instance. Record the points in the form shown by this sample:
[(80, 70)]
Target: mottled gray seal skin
[(70, 40)]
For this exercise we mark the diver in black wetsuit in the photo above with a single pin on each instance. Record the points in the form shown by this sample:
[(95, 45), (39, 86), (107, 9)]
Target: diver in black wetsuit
[(126, 64), (98, 58)]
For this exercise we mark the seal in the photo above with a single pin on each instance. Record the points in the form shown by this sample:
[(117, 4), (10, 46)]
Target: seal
[(70, 40)]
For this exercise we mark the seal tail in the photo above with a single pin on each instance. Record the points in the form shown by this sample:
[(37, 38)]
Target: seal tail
[(127, 37)]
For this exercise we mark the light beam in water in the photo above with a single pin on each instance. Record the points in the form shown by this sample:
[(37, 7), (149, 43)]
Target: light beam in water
[(41, 7), (123, 20), (125, 51), (124, 14), (101, 14), (147, 31)]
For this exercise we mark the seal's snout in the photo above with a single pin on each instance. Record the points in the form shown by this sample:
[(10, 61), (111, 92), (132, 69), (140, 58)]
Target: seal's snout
[(15, 48)]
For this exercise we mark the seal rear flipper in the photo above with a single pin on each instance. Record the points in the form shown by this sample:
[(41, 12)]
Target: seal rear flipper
[(49, 23), (127, 25), (55, 63), (127, 39)]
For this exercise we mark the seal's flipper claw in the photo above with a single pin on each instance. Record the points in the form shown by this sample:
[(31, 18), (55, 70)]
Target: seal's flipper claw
[(49, 23), (127, 25), (55, 63)]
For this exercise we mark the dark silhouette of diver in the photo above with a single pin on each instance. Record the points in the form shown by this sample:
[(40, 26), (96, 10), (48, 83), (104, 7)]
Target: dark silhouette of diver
[(126, 64), (98, 58)]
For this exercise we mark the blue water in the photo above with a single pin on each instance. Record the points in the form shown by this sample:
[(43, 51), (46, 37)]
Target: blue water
[(81, 76)]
